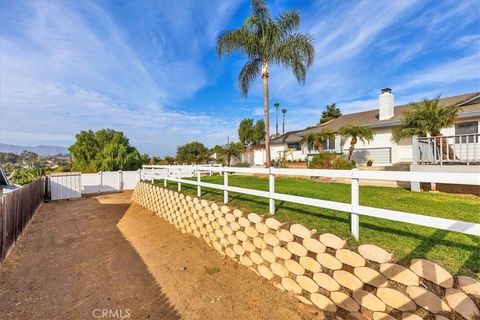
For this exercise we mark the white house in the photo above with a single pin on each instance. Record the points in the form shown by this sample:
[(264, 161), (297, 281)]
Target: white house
[(462, 139)]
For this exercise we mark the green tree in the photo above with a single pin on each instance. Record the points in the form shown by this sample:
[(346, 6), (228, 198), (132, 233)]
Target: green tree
[(103, 150), (258, 132), (232, 150), (426, 118), (190, 153), (146, 159), (266, 41), (317, 139), (22, 176), (246, 131), (249, 133), (331, 112), (9, 157), (355, 133), (169, 160)]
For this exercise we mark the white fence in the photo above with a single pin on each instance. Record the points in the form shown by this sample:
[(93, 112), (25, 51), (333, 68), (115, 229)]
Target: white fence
[(103, 181), (108, 181), (463, 149), (168, 173)]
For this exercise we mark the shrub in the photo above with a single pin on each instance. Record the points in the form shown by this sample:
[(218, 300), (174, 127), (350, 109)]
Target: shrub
[(369, 163), (242, 164), (329, 160)]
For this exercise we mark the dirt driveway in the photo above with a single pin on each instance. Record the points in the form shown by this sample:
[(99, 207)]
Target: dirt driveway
[(106, 258)]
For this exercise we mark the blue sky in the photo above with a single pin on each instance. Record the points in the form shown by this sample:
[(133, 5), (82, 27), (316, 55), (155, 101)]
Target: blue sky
[(149, 68)]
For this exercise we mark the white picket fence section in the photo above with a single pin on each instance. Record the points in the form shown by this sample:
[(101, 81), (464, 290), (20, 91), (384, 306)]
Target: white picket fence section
[(178, 173)]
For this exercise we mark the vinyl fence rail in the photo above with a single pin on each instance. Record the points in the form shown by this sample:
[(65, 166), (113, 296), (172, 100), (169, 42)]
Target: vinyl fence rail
[(174, 174), (16, 210)]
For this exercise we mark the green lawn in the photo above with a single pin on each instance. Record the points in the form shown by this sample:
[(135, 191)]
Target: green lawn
[(457, 252)]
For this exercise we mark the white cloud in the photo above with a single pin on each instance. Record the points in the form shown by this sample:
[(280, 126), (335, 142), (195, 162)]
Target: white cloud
[(68, 66), (448, 72)]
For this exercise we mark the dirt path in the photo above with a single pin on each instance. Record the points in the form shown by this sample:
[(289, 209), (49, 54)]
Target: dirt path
[(106, 258)]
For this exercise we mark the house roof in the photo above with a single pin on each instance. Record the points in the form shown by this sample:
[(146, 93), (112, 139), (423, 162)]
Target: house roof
[(469, 102), (289, 137)]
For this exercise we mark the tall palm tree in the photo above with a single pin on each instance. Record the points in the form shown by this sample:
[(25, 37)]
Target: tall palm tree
[(266, 41), (316, 139), (362, 133), (426, 118), (283, 120), (277, 105)]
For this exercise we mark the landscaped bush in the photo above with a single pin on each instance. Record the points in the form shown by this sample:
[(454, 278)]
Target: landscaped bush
[(329, 160), (242, 164)]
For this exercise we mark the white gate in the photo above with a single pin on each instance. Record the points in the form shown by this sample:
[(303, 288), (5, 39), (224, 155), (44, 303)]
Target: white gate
[(65, 185)]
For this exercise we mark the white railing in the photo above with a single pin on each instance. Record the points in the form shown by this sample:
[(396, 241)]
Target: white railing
[(167, 173), (463, 149)]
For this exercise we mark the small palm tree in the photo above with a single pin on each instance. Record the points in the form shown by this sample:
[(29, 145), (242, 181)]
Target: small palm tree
[(316, 139), (268, 41), (283, 120), (364, 134), (232, 150), (426, 118)]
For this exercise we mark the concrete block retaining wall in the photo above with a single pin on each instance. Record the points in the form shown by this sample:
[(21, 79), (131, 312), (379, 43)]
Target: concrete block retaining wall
[(319, 270)]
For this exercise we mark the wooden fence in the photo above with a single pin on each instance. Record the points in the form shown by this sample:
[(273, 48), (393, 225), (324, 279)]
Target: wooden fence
[(16, 210)]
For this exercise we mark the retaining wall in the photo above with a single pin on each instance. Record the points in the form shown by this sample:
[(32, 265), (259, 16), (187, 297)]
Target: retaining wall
[(364, 283)]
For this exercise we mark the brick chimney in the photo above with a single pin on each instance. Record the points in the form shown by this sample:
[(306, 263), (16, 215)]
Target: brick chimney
[(386, 104)]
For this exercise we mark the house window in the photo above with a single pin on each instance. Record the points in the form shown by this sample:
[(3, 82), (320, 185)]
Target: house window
[(466, 128), (295, 146), (329, 145)]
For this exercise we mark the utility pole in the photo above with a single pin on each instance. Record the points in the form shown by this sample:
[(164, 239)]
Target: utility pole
[(276, 104)]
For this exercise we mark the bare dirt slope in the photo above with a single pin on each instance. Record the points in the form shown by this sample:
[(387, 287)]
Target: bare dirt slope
[(80, 258)]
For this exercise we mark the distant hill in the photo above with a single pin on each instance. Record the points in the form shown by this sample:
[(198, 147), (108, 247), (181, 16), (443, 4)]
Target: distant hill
[(40, 150)]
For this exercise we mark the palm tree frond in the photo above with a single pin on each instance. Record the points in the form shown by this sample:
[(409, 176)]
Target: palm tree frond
[(297, 52), (426, 118), (241, 40), (288, 21), (249, 73), (260, 10)]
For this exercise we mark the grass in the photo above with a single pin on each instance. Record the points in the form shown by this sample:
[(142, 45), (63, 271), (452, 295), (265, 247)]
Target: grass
[(457, 252)]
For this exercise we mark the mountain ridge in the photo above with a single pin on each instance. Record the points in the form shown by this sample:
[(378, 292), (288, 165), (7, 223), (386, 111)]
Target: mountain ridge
[(41, 150)]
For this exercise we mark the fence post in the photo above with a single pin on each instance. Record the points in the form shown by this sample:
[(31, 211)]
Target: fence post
[(139, 175), (179, 177), (199, 188), (225, 184), (165, 175), (120, 180), (100, 181), (355, 221), (271, 191)]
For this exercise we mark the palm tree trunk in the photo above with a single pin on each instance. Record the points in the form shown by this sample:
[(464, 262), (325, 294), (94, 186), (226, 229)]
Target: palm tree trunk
[(283, 122), (319, 147), (266, 114), (276, 120), (352, 147)]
